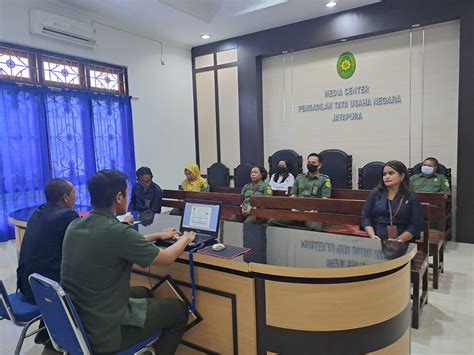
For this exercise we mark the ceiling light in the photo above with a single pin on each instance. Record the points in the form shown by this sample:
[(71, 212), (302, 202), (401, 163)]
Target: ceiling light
[(344, 40), (205, 36), (416, 25), (331, 3)]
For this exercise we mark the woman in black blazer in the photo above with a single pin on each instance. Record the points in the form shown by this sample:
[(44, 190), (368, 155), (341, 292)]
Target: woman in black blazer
[(392, 211)]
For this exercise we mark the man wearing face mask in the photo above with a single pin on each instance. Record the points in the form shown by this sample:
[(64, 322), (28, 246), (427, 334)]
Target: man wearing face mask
[(312, 184), (429, 180)]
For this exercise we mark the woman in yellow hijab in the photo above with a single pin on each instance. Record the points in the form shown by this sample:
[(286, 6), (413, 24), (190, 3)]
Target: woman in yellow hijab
[(194, 181)]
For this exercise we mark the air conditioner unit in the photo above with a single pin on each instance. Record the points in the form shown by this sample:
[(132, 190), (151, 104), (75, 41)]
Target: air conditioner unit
[(60, 27)]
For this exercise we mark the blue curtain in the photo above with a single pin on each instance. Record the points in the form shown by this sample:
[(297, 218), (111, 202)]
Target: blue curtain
[(47, 133), (70, 139), (113, 133), (24, 166)]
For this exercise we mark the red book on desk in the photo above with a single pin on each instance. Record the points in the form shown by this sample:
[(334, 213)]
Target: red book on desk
[(230, 252)]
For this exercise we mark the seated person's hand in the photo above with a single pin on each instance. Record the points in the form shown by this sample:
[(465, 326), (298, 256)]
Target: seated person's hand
[(189, 236), (375, 237), (129, 219), (245, 212), (169, 233)]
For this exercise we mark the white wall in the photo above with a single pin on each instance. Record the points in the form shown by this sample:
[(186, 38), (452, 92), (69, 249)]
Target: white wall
[(163, 117)]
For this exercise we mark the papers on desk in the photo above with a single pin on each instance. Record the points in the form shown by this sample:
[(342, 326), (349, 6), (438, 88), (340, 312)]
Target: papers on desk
[(122, 217)]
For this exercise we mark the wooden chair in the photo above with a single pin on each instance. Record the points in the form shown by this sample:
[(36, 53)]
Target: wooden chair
[(218, 175), (419, 270), (242, 174), (370, 175), (337, 164)]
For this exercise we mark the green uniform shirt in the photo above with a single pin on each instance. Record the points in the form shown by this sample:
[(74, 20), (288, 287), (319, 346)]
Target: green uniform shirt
[(261, 188), (433, 183), (98, 253), (312, 186)]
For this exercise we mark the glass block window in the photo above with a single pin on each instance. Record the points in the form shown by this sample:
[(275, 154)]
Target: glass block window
[(17, 65), (62, 71), (107, 79)]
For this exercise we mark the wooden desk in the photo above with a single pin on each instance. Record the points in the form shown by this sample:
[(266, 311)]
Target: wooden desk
[(296, 292)]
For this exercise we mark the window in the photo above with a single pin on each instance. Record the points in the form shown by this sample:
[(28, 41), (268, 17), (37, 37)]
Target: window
[(106, 79), (63, 72), (17, 65)]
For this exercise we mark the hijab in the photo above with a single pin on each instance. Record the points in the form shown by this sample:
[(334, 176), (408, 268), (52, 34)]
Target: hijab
[(196, 184)]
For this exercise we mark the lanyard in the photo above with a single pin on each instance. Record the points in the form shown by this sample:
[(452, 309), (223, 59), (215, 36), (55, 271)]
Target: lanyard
[(392, 216), (192, 306)]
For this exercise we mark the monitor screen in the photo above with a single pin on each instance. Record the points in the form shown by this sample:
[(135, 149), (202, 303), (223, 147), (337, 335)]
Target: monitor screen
[(201, 216)]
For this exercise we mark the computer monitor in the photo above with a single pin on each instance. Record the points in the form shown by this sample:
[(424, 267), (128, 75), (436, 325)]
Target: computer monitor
[(201, 217)]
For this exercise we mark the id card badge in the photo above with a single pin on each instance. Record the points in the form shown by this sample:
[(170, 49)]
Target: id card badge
[(392, 231)]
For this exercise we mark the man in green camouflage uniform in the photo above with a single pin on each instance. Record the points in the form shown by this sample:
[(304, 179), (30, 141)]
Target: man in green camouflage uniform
[(429, 180), (312, 184)]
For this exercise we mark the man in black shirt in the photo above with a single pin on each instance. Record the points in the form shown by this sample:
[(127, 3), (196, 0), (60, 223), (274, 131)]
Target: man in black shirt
[(146, 195), (41, 249)]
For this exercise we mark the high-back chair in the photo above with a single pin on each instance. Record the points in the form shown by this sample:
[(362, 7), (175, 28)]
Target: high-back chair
[(15, 308), (242, 174), (63, 323), (370, 175), (218, 175), (294, 160), (337, 164)]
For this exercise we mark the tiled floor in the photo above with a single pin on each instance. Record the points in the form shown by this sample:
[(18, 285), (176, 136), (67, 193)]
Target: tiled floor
[(447, 322)]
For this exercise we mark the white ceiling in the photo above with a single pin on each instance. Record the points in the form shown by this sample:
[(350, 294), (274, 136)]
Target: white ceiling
[(183, 21)]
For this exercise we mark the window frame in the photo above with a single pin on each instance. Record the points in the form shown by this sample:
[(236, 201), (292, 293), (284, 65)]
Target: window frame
[(39, 79)]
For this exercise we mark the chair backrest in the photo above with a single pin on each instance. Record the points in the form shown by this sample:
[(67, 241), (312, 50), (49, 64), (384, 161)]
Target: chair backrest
[(337, 164), (60, 316), (370, 175), (242, 174), (6, 310), (441, 169), (295, 161), (218, 175)]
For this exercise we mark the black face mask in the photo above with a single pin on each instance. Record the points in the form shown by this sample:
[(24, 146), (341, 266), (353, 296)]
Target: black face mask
[(312, 168), (281, 169)]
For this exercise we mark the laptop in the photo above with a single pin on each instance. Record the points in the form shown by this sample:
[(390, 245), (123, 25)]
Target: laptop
[(201, 217)]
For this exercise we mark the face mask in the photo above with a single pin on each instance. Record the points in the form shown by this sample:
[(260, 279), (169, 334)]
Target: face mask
[(281, 169), (312, 168), (427, 170)]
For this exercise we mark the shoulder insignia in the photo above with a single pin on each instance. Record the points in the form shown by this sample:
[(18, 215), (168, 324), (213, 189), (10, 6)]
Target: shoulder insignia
[(328, 183), (269, 190), (446, 183)]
